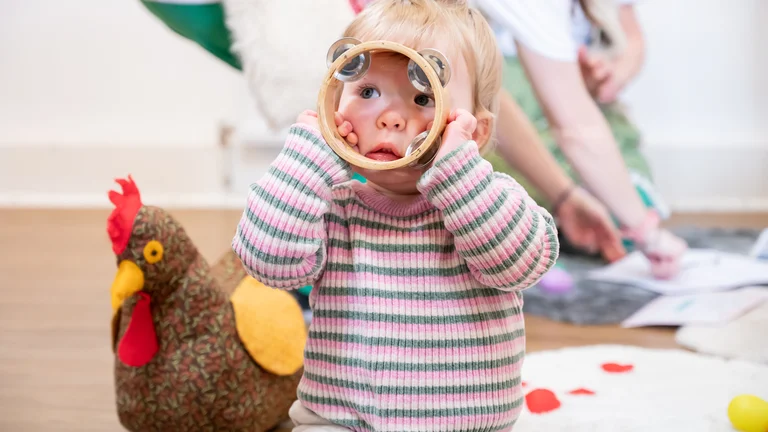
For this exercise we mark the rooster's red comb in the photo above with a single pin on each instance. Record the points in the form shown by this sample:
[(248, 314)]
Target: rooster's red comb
[(120, 221)]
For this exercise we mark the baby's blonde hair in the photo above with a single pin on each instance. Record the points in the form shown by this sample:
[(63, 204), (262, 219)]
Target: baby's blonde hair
[(415, 23)]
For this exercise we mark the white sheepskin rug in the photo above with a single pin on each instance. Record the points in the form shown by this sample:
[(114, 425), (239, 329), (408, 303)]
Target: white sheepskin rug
[(282, 46), (622, 388)]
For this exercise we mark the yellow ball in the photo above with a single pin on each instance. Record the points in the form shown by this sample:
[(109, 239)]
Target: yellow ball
[(748, 413)]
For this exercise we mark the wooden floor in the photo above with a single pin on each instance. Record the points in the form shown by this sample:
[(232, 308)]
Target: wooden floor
[(56, 268)]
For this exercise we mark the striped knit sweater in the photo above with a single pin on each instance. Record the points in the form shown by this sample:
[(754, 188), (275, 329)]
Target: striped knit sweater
[(417, 308)]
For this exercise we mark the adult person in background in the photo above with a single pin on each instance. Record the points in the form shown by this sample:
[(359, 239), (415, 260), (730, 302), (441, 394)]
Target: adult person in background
[(576, 134)]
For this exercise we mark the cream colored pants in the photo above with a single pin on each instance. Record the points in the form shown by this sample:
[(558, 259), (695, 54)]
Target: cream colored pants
[(307, 421)]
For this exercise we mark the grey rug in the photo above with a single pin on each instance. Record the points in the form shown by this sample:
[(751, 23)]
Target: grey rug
[(592, 302)]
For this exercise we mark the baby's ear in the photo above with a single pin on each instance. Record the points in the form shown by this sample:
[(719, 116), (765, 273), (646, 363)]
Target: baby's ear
[(484, 127)]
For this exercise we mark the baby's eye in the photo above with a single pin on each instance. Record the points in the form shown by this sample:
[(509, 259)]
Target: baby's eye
[(424, 100), (368, 92)]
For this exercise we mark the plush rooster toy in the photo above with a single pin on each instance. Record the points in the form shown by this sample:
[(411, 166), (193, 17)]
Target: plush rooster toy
[(197, 348)]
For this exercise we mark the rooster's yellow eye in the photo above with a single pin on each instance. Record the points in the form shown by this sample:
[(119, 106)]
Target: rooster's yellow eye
[(153, 251)]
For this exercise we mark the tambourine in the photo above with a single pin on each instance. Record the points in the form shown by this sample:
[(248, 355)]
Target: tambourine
[(428, 71)]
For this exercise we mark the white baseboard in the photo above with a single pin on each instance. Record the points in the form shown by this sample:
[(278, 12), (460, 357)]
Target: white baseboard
[(731, 179), (77, 177)]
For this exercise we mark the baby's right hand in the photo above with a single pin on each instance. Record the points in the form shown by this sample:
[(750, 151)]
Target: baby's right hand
[(345, 129), (309, 118)]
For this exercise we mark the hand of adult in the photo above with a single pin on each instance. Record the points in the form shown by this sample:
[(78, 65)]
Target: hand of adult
[(603, 77), (586, 224), (663, 249)]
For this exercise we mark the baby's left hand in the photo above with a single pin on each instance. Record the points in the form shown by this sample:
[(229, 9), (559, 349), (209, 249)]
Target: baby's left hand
[(460, 129)]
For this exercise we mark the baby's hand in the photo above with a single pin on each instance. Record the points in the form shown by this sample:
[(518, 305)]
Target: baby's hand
[(345, 129), (308, 118), (461, 126)]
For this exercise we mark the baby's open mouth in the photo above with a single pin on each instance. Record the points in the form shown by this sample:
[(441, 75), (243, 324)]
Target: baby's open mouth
[(384, 155), (384, 152)]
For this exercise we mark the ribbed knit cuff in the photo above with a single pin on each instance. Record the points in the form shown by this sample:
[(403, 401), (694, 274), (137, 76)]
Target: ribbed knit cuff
[(454, 175), (315, 155)]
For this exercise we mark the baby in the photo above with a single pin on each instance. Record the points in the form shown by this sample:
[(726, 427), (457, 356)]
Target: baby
[(417, 273)]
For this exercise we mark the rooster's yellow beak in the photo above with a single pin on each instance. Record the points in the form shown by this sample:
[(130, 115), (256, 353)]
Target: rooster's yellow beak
[(128, 281)]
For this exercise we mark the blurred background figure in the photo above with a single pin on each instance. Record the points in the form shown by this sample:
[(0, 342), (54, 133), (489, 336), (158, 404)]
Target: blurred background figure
[(566, 63)]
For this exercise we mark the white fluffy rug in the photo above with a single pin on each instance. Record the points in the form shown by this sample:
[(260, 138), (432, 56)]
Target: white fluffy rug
[(635, 389)]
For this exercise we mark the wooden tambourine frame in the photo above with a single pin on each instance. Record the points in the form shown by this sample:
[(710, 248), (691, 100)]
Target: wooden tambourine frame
[(330, 93)]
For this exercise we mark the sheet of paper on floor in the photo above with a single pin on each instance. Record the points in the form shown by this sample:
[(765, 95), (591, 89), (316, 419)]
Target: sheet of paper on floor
[(760, 249), (702, 270), (715, 308)]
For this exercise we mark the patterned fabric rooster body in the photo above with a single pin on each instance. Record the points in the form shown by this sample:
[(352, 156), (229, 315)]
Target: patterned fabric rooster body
[(197, 348)]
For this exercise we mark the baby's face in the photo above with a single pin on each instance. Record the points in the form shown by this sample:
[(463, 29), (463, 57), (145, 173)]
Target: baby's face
[(387, 112)]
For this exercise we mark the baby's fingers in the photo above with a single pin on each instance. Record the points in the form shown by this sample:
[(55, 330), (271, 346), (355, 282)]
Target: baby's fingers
[(463, 119), (308, 113), (352, 138), (308, 117), (345, 128), (338, 119)]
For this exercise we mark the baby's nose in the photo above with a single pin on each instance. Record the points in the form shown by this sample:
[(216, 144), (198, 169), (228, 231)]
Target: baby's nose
[(391, 120)]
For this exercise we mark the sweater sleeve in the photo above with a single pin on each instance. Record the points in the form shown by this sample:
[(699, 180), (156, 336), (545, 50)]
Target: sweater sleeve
[(506, 239), (281, 237)]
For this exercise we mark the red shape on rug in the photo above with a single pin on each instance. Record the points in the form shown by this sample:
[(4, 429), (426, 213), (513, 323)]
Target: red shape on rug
[(541, 401), (581, 391), (617, 368), (139, 344), (524, 383)]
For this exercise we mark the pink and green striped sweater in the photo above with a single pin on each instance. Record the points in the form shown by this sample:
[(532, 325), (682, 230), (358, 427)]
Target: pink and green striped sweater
[(417, 321)]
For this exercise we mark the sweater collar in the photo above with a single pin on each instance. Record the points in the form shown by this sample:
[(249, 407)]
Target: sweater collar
[(386, 205)]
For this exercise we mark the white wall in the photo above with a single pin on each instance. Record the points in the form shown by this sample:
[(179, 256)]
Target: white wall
[(705, 81), (106, 73), (79, 79)]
